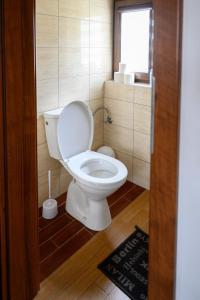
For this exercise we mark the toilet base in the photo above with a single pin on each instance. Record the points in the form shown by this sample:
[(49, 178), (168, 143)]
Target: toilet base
[(94, 214)]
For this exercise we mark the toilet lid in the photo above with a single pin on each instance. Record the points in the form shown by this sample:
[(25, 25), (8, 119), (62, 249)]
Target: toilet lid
[(75, 129)]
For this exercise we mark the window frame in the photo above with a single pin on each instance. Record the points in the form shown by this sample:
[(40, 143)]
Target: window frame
[(129, 5)]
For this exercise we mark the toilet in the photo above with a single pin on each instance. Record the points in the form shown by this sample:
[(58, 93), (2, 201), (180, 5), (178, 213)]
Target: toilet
[(69, 133)]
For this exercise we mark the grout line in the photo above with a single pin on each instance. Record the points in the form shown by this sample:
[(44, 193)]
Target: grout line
[(42, 244), (132, 156), (59, 62), (71, 221), (60, 247), (121, 196), (115, 125), (75, 18), (138, 192), (88, 230), (55, 221), (71, 237), (90, 77), (65, 228), (78, 47)]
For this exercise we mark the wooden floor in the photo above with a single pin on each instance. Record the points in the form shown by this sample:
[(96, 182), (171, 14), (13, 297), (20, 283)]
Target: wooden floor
[(61, 237), (78, 277)]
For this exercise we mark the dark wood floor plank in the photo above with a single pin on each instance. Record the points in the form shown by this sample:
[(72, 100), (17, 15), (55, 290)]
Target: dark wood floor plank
[(63, 253), (46, 249), (117, 207), (118, 194), (133, 193), (93, 232), (67, 232), (44, 222), (54, 227)]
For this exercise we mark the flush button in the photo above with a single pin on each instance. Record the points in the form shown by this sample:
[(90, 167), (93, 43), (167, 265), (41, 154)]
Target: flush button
[(46, 123)]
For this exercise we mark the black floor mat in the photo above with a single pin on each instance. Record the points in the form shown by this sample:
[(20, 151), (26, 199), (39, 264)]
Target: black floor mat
[(127, 265)]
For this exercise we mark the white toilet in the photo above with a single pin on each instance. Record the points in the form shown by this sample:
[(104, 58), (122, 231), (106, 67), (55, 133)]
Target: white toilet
[(69, 133)]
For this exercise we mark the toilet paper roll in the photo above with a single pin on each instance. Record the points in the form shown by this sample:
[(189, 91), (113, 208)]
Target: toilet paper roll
[(119, 77), (122, 68)]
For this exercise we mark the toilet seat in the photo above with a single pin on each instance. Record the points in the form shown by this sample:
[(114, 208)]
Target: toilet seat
[(80, 166), (75, 129), (87, 166)]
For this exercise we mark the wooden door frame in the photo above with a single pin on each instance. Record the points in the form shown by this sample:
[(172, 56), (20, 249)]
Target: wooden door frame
[(164, 170), (19, 204), (18, 132), (3, 273)]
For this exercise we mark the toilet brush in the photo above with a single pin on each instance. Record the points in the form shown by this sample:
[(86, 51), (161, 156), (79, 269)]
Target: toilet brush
[(50, 206), (49, 183)]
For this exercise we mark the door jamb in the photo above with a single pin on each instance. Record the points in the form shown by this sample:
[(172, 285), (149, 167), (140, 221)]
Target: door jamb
[(165, 158), (19, 202)]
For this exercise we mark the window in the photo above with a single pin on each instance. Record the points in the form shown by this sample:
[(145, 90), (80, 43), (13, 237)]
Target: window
[(133, 38)]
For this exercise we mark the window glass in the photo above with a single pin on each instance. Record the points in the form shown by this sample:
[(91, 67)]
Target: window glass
[(135, 40)]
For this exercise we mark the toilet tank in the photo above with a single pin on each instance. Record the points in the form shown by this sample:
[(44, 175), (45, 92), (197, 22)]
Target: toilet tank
[(51, 121)]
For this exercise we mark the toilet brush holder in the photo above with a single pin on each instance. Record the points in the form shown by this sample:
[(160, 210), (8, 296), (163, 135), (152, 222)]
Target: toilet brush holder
[(50, 206), (50, 209)]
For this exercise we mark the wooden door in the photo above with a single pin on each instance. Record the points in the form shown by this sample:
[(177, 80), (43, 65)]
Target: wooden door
[(3, 270), (19, 206), (164, 171)]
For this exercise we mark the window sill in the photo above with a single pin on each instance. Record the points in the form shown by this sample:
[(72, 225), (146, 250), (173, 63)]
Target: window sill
[(139, 84)]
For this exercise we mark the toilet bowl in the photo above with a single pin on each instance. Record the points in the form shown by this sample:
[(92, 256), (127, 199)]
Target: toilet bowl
[(69, 133)]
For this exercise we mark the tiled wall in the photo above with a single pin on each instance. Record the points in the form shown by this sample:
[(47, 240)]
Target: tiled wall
[(129, 134), (74, 58)]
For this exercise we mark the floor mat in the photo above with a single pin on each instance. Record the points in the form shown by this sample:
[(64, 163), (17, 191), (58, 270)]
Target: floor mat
[(127, 265)]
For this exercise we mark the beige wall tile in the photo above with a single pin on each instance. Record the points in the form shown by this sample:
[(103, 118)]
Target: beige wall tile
[(142, 146), (73, 88), (98, 138), (96, 103), (141, 173), (142, 118), (100, 34), (119, 138), (101, 60), (101, 10), (128, 161), (41, 136), (65, 179), (47, 7), (121, 112), (43, 186), (47, 95), (74, 8), (142, 94), (119, 91), (97, 82), (47, 63), (73, 61), (73, 33), (119, 98), (46, 31), (45, 162)]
